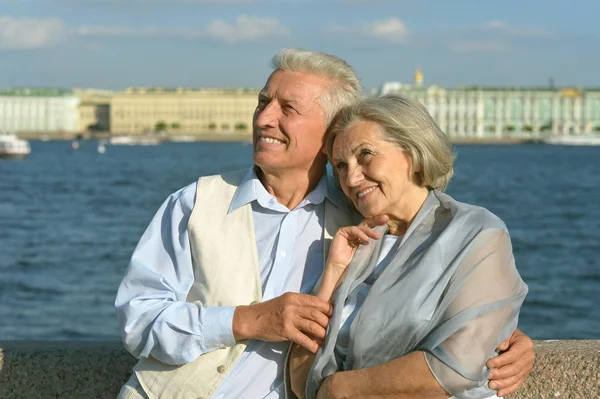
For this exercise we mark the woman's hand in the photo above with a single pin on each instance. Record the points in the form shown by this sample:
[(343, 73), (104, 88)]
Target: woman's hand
[(342, 249), (347, 239)]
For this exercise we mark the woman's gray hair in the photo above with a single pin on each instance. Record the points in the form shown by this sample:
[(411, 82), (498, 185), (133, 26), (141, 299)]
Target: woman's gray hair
[(407, 123), (344, 88)]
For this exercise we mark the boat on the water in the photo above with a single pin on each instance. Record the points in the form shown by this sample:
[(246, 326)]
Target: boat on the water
[(13, 147), (581, 139), (134, 140)]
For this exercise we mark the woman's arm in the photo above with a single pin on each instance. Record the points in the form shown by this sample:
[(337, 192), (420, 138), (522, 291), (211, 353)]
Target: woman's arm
[(301, 359), (405, 377), (481, 308), (342, 250)]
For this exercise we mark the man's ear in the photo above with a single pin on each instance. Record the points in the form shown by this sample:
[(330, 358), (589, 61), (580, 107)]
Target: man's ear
[(324, 146)]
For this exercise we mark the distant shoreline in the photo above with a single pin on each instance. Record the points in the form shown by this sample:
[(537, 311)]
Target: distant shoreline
[(247, 138)]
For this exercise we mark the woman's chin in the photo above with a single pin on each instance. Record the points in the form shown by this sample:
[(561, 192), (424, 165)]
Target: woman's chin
[(368, 212)]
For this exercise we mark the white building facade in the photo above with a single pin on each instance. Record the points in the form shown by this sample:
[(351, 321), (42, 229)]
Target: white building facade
[(39, 110), (480, 112)]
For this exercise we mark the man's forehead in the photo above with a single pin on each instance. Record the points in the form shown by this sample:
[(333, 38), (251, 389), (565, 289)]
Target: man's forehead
[(293, 86)]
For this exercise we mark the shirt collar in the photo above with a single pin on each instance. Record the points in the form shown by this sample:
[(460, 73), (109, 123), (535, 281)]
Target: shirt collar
[(251, 189), (334, 192)]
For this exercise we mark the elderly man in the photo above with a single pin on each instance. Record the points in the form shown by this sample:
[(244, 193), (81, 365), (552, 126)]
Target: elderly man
[(219, 282)]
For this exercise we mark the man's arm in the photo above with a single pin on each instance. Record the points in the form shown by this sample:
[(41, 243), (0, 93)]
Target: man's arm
[(153, 314), (509, 371), (407, 377), (511, 368)]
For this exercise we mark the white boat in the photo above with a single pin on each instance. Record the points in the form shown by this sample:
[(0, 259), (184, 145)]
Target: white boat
[(13, 147), (134, 140), (582, 139), (183, 139)]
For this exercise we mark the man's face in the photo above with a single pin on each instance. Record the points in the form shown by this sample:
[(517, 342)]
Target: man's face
[(289, 122)]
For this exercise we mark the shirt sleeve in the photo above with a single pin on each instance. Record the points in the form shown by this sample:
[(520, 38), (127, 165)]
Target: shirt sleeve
[(154, 317), (478, 311)]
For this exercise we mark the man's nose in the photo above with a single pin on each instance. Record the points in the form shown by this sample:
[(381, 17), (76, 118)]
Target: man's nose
[(267, 117)]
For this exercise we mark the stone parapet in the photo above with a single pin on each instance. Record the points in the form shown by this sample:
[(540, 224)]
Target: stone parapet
[(98, 369)]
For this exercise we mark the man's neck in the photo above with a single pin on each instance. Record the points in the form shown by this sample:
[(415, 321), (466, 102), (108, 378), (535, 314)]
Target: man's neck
[(290, 187)]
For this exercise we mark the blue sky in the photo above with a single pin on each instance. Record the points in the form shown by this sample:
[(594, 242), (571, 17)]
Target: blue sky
[(114, 44)]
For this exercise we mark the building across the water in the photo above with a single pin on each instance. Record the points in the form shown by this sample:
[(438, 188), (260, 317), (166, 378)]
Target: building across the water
[(94, 109), (45, 110), (506, 112), (183, 111), (135, 111)]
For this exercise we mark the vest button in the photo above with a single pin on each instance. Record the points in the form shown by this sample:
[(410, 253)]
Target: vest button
[(221, 369)]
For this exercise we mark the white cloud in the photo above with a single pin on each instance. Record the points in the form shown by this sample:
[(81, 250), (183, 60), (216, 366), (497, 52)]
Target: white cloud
[(477, 47), (146, 32), (30, 33), (503, 28), (245, 29), (391, 30)]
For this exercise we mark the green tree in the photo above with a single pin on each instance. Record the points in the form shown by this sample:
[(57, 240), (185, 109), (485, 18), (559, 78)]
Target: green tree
[(528, 128), (212, 126), (597, 128), (175, 125), (510, 128), (241, 126), (162, 125)]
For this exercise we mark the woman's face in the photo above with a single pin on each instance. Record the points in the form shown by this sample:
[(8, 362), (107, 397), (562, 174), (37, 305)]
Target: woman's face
[(375, 174)]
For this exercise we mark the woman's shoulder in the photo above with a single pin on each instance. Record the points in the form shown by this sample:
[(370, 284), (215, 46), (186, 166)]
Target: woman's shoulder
[(474, 215)]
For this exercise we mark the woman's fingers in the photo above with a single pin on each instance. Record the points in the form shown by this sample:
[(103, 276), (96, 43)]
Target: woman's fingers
[(367, 225), (356, 235), (376, 221)]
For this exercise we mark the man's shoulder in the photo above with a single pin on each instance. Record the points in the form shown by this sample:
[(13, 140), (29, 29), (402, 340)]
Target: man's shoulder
[(184, 197), (233, 177)]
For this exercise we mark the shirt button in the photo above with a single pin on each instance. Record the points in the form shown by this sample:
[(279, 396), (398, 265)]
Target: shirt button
[(283, 254), (221, 369)]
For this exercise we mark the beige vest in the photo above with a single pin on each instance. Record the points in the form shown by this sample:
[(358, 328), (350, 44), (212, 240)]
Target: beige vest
[(226, 273)]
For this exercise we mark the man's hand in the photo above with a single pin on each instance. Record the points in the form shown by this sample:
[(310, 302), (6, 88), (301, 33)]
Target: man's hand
[(510, 369), (293, 317)]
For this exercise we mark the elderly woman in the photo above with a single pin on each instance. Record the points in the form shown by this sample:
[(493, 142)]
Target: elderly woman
[(425, 283)]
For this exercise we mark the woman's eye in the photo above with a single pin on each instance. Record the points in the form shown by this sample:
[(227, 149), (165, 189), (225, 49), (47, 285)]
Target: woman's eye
[(365, 153), (340, 165)]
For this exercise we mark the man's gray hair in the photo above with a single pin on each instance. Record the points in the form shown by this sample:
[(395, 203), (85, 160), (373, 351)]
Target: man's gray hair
[(407, 123), (344, 86)]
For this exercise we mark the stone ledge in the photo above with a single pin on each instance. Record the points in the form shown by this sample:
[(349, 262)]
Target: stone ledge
[(98, 369)]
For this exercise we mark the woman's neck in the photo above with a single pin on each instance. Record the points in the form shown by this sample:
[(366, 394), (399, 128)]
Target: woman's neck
[(402, 217)]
